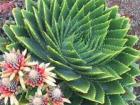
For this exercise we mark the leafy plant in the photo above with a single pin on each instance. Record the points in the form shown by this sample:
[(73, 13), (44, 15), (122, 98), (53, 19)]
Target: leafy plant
[(86, 41), (130, 8)]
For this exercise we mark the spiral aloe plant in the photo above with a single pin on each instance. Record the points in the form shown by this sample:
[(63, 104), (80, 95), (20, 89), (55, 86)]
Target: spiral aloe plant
[(86, 41)]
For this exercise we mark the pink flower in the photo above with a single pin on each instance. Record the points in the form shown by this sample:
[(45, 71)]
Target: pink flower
[(39, 99), (15, 64), (8, 90), (56, 97), (40, 75)]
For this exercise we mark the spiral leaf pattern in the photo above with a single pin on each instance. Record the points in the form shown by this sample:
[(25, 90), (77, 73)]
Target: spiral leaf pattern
[(88, 44)]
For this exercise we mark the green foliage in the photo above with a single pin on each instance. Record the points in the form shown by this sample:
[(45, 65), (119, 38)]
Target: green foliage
[(86, 41)]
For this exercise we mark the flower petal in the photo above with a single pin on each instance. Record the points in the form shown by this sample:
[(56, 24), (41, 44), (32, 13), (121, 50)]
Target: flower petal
[(11, 100), (12, 76), (5, 100), (39, 92), (21, 74), (52, 74), (31, 63), (18, 51), (66, 100), (47, 65), (5, 74), (24, 52), (22, 83), (50, 83), (27, 69), (1, 97), (28, 58), (1, 64), (15, 100), (42, 65), (49, 69), (51, 79)]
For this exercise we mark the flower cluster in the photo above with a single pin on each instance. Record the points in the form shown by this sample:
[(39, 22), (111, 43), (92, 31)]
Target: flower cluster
[(19, 74), (54, 96)]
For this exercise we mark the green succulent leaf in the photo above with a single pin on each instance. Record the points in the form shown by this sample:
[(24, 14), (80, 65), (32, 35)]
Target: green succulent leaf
[(67, 74), (113, 88), (80, 85), (87, 43)]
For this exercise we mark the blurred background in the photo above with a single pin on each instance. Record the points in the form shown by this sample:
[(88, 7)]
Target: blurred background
[(131, 9)]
